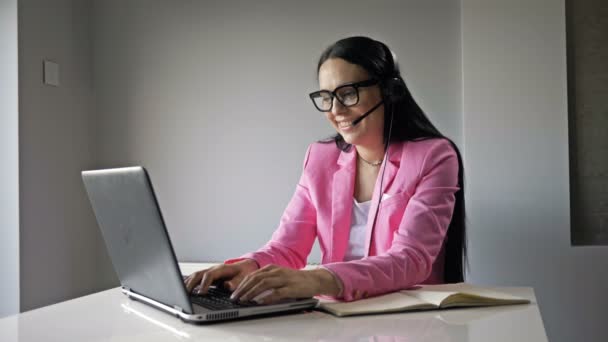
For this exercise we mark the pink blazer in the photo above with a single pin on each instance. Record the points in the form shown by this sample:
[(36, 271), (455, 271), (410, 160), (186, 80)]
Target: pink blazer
[(406, 246)]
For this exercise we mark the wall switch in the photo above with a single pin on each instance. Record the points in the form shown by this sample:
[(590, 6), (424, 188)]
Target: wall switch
[(51, 73)]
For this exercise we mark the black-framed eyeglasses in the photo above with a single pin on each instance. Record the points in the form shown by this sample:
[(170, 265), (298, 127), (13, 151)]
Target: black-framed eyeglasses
[(347, 94)]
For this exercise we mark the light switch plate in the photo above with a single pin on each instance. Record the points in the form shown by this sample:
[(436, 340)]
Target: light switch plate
[(51, 73)]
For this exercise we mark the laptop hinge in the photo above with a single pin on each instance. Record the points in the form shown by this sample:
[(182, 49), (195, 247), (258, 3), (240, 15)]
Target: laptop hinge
[(178, 308), (126, 288)]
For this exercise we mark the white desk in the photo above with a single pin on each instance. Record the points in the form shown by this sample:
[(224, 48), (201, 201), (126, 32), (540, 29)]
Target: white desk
[(110, 316)]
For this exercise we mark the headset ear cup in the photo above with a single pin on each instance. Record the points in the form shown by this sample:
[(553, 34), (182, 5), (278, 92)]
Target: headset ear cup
[(394, 89)]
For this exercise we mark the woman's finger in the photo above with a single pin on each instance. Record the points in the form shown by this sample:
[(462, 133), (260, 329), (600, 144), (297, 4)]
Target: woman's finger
[(193, 280), (245, 284), (222, 271), (263, 284), (248, 282), (272, 296), (251, 278), (265, 269), (243, 270), (233, 283)]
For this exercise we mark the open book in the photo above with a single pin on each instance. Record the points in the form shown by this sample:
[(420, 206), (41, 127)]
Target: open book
[(423, 297)]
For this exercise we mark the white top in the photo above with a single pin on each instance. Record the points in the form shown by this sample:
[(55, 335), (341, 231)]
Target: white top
[(356, 239)]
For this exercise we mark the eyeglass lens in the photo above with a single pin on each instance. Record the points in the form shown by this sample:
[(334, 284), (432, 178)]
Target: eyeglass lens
[(348, 96)]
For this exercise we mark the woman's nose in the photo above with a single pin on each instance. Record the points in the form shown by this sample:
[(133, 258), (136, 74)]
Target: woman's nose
[(337, 107)]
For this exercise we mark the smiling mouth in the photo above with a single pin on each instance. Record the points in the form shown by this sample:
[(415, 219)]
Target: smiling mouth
[(345, 124)]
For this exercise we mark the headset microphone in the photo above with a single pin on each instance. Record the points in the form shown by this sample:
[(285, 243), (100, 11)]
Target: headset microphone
[(355, 122)]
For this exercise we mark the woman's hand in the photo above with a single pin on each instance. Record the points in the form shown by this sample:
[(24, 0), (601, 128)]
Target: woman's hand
[(272, 283), (233, 274)]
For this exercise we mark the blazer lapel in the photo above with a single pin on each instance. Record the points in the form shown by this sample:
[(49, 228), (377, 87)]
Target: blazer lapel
[(343, 188), (392, 166)]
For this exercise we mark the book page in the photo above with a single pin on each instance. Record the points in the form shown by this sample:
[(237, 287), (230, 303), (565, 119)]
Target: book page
[(462, 294), (489, 293), (391, 302), (480, 297), (433, 297)]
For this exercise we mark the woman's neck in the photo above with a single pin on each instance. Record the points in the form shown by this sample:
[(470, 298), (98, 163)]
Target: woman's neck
[(371, 154)]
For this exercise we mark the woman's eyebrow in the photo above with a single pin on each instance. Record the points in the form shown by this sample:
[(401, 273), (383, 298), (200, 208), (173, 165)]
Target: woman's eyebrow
[(338, 86)]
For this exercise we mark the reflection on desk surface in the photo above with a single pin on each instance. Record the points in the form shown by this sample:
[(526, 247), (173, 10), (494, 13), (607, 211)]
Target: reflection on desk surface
[(109, 315)]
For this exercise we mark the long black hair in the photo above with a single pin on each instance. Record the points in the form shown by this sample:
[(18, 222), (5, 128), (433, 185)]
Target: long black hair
[(409, 123)]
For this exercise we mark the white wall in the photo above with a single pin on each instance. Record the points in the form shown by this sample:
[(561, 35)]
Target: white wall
[(212, 99), (60, 244), (516, 155), (9, 170)]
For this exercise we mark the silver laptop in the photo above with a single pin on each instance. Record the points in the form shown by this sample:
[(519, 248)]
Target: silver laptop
[(140, 249)]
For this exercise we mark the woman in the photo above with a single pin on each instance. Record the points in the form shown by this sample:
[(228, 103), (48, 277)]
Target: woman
[(414, 233)]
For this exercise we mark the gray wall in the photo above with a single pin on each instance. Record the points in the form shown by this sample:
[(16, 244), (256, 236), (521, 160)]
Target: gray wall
[(587, 39), (516, 154), (60, 243), (212, 99), (9, 170)]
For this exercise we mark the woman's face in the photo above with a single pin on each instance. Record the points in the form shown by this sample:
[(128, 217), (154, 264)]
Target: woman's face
[(335, 72)]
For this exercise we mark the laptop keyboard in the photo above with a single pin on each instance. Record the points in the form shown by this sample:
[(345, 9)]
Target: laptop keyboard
[(218, 299)]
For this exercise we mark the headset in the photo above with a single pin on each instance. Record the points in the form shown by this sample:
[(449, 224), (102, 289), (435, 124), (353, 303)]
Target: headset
[(393, 89)]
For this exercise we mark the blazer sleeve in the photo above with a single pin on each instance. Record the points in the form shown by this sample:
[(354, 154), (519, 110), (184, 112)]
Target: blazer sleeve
[(420, 235), (292, 241)]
